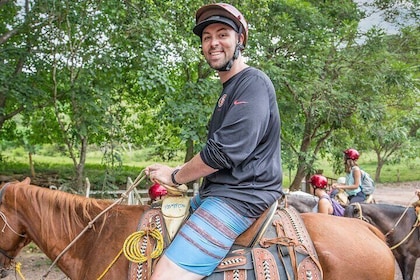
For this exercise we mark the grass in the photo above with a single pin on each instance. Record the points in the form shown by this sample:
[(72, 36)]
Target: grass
[(407, 171), (130, 163), (102, 175)]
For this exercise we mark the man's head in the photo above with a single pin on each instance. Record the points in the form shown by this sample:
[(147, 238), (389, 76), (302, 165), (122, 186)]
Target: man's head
[(223, 32), (222, 13)]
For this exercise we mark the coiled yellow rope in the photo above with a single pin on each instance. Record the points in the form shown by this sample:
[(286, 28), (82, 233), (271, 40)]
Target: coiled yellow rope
[(131, 246)]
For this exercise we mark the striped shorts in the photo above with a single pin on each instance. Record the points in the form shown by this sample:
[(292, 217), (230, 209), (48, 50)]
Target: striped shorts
[(205, 239)]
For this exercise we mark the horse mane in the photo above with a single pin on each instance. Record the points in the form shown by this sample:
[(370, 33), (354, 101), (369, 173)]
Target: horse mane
[(61, 211)]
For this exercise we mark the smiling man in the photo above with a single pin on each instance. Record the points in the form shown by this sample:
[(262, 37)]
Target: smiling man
[(240, 163)]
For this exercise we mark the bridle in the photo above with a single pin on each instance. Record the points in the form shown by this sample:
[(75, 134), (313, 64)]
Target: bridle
[(6, 224), (416, 224), (360, 217)]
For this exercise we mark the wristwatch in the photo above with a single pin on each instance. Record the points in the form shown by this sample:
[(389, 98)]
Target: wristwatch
[(173, 177)]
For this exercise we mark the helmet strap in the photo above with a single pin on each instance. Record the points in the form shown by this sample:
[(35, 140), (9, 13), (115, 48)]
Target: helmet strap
[(239, 47)]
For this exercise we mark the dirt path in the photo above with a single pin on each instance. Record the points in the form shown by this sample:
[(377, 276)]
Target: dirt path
[(36, 264)]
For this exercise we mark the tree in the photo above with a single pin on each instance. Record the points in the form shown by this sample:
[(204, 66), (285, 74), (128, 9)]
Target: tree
[(392, 135), (19, 29), (311, 54)]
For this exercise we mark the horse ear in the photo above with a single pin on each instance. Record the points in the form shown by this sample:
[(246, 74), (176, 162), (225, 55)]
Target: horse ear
[(27, 181)]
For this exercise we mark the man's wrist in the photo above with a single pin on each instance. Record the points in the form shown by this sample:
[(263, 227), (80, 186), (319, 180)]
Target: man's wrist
[(174, 181)]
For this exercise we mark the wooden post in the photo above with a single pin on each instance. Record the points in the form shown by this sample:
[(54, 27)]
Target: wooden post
[(87, 187)]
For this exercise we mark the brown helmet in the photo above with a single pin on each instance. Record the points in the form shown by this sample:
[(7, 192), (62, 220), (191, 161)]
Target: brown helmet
[(223, 13)]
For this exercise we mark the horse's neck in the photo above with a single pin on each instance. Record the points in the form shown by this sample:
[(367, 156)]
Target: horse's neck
[(46, 226), (388, 217)]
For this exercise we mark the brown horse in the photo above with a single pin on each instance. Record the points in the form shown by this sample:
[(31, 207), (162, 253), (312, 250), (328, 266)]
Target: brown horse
[(347, 248)]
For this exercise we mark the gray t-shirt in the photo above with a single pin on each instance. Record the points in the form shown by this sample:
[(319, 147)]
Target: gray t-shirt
[(244, 144)]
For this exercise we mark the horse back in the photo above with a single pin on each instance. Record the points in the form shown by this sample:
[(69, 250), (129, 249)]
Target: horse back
[(342, 241)]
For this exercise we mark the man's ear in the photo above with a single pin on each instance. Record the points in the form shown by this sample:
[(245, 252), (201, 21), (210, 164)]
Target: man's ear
[(239, 44)]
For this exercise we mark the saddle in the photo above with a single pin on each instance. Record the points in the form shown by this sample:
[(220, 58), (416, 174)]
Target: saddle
[(277, 245)]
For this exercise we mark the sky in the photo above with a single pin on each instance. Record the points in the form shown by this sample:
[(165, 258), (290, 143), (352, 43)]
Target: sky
[(376, 19)]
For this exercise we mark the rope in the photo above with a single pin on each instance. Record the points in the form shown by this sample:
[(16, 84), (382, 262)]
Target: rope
[(136, 182), (416, 224), (18, 266), (402, 215), (132, 250), (110, 265), (6, 224)]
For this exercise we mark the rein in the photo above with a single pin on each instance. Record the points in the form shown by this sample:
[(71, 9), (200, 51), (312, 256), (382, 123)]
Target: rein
[(399, 220), (6, 223), (415, 225), (136, 182), (361, 217)]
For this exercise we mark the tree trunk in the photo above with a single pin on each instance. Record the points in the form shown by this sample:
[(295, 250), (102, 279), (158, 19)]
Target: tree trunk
[(297, 181), (189, 155), (80, 167), (190, 150), (31, 165), (378, 170)]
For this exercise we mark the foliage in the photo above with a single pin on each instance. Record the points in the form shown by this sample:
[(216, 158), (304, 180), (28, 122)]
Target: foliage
[(83, 74)]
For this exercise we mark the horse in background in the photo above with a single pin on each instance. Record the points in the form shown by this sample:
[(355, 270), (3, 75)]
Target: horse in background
[(303, 202), (53, 219), (401, 227)]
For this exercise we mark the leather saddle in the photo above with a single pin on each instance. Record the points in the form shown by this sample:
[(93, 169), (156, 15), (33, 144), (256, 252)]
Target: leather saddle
[(276, 246)]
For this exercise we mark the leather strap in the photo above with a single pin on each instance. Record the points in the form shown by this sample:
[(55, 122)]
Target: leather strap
[(265, 265)]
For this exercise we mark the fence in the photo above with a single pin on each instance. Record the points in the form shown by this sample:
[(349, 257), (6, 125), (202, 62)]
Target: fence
[(135, 197)]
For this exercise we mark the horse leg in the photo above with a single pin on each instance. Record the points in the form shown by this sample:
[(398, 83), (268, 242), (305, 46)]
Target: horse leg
[(407, 267)]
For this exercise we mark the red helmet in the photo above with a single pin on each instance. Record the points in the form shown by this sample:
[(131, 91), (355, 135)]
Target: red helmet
[(319, 181), (157, 191), (220, 12), (351, 154)]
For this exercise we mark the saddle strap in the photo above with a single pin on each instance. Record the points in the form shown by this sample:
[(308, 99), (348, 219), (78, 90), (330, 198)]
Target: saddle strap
[(293, 239)]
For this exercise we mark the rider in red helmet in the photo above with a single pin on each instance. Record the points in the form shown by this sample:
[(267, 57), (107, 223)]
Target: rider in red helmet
[(351, 154), (240, 161), (353, 177), (326, 204)]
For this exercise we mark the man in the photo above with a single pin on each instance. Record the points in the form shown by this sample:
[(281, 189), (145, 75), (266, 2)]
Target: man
[(240, 162)]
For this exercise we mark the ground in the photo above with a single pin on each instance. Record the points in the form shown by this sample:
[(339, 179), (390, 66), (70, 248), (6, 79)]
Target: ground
[(35, 264)]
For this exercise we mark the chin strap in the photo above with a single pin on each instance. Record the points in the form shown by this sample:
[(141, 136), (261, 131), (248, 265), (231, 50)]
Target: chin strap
[(239, 47), (229, 64)]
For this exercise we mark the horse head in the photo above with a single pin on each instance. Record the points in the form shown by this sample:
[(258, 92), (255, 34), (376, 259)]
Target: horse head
[(303, 202), (355, 210), (12, 234)]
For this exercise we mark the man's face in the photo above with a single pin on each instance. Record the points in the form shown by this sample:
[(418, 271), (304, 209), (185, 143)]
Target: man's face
[(218, 44)]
